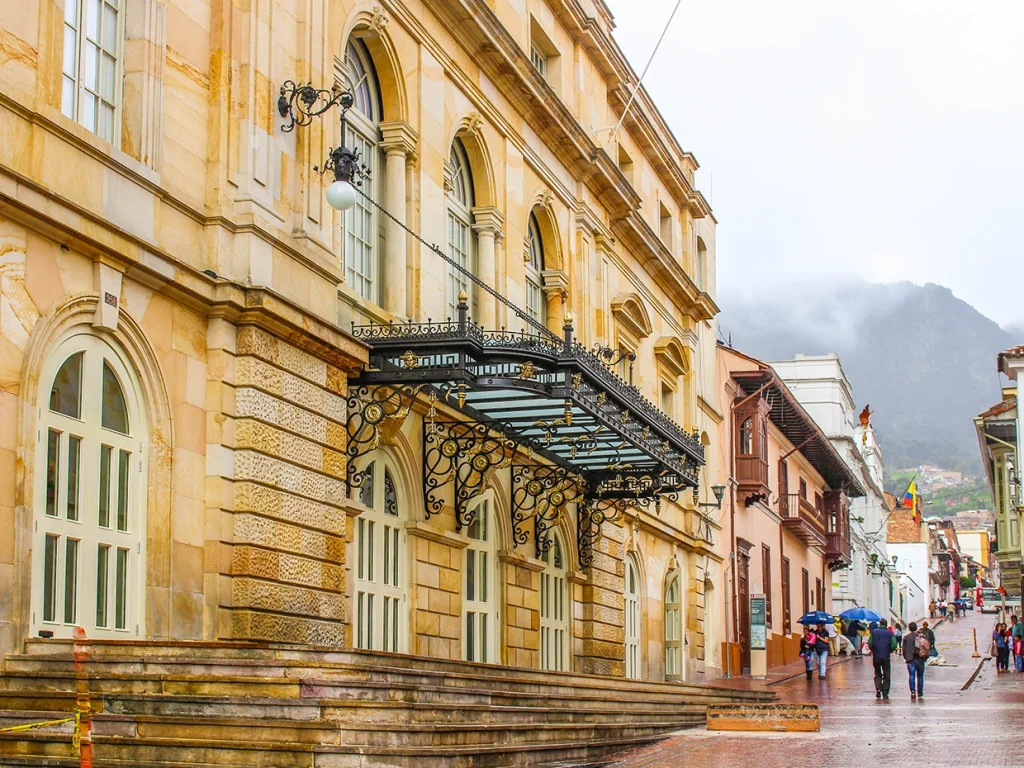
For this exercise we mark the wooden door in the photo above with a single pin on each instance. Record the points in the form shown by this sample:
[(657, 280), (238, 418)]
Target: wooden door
[(743, 578)]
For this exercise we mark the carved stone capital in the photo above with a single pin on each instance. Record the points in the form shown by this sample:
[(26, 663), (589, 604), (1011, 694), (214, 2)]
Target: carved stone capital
[(379, 20), (399, 137), (555, 282), (488, 220)]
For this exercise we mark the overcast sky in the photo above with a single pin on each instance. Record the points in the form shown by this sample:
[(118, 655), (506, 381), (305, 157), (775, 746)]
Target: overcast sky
[(883, 139)]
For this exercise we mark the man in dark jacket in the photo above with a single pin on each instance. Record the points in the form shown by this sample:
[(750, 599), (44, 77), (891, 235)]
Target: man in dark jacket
[(882, 643), (915, 663)]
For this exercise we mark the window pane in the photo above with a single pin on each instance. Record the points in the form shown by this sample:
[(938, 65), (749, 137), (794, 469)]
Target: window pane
[(70, 51), (90, 77), (390, 496), (102, 569), (470, 636), (387, 554), (483, 637), (67, 97), (104, 506), (366, 489), (92, 19), (106, 127), (71, 12), (108, 69), (74, 449), (50, 578), (361, 546), (122, 490), (66, 394), (121, 590), (483, 577), (52, 466), (370, 525), (395, 558), (115, 412), (109, 29), (70, 581), (87, 117), (470, 574)]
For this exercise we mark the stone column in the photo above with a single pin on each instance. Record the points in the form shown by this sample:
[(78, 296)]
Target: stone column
[(522, 609), (487, 222), (556, 289), (399, 143), (599, 616)]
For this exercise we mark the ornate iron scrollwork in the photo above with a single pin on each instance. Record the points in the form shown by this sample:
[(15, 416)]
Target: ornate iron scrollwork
[(591, 514), (368, 408), (463, 453), (542, 492)]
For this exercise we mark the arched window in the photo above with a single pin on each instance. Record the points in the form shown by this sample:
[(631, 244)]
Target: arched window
[(89, 531), (632, 619), (747, 437), (362, 228), (534, 267), (461, 239), (673, 629), (701, 267), (380, 569), (478, 605), (554, 614), (92, 78)]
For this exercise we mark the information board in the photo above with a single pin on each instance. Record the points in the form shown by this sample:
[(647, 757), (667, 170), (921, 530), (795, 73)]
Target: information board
[(757, 623)]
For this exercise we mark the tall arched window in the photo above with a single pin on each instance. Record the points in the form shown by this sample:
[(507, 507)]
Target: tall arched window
[(92, 78), (534, 267), (89, 532), (554, 613), (673, 629), (747, 437), (380, 569), (479, 607), (362, 228), (461, 245), (632, 619)]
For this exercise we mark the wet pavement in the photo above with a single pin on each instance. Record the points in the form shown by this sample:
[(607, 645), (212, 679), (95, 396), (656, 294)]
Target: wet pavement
[(979, 726)]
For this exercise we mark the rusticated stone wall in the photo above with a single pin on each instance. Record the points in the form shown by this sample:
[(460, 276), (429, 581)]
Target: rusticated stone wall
[(276, 469), (521, 604), (436, 585), (600, 634)]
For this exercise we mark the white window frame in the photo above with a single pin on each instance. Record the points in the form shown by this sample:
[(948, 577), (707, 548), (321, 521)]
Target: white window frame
[(86, 529), (480, 584), (76, 42), (554, 607), (633, 589), (461, 237), (539, 60), (363, 134), (380, 568), (674, 626), (534, 266)]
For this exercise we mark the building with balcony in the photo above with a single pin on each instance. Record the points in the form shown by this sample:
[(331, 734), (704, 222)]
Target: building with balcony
[(821, 386), (787, 506), (463, 419), (998, 433)]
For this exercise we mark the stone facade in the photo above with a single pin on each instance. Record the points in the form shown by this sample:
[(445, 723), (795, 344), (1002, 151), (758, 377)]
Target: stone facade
[(194, 243)]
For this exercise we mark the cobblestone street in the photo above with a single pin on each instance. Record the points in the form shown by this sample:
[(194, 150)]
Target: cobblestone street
[(951, 727)]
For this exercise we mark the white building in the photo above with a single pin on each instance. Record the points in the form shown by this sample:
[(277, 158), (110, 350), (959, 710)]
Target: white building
[(912, 564), (821, 387)]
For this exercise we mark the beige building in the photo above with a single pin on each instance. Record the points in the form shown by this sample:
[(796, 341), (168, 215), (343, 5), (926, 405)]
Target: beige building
[(210, 431)]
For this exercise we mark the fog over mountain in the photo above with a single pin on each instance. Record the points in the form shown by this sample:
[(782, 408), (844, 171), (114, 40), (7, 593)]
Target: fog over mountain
[(922, 358)]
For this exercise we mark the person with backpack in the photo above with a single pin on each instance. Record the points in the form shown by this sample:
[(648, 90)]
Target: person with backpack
[(916, 650), (821, 647), (882, 643)]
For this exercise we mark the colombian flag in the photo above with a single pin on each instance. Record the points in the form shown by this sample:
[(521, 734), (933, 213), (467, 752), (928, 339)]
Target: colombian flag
[(912, 501)]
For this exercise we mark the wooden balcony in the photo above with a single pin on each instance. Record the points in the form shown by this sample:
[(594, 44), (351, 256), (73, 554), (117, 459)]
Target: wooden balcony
[(802, 520), (752, 479), (838, 551)]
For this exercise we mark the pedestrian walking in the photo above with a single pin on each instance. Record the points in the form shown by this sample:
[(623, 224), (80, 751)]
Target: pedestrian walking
[(853, 635), (1017, 633), (931, 609), (897, 630), (1002, 648), (930, 634), (821, 649), (882, 643), (807, 650), (915, 651), (942, 610), (833, 638), (951, 610)]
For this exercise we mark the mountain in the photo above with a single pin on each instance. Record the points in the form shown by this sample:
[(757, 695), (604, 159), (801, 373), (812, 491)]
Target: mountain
[(922, 358)]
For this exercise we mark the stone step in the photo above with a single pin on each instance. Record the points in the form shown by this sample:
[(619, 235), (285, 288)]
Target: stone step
[(283, 676), (55, 750), (322, 658)]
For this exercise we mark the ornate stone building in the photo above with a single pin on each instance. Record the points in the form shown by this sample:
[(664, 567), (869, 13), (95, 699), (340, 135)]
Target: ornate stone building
[(225, 413)]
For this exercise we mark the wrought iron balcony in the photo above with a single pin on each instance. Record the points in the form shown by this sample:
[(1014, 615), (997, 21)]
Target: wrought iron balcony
[(801, 519)]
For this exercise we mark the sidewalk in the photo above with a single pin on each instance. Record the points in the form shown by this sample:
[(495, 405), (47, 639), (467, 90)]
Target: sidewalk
[(774, 676)]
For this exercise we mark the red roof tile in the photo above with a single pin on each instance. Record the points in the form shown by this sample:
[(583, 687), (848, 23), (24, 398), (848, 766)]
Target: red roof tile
[(1015, 353)]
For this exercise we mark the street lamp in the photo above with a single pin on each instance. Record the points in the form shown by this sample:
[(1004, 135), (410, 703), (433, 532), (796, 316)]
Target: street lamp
[(301, 103), (718, 490)]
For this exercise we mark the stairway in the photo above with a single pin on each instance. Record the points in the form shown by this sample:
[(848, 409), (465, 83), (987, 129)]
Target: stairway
[(267, 706)]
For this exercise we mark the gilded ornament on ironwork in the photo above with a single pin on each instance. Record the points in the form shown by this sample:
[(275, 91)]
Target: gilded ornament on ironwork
[(527, 370), (410, 359), (577, 379)]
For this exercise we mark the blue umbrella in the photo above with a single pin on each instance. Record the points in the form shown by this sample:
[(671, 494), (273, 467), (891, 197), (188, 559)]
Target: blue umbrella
[(860, 614), (816, 617)]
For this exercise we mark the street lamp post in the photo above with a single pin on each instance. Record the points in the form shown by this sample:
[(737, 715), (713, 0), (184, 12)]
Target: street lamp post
[(300, 104)]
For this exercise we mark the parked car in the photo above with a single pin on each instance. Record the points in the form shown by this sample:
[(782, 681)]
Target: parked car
[(991, 600)]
